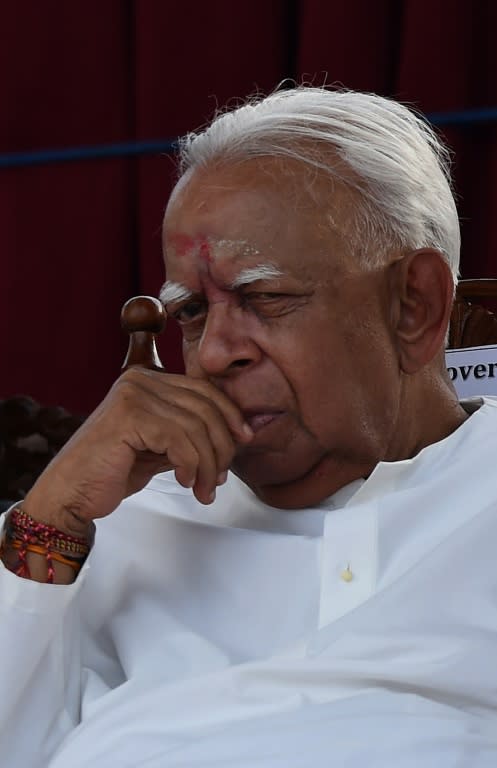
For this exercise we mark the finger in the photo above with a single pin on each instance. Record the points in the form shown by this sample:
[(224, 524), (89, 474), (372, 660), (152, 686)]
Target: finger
[(185, 439), (207, 471), (158, 413), (206, 410), (231, 412), (185, 400)]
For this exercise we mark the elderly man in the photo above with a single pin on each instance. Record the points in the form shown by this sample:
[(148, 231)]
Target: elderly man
[(312, 583)]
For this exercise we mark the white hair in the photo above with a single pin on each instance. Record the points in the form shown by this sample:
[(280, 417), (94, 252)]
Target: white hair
[(399, 166)]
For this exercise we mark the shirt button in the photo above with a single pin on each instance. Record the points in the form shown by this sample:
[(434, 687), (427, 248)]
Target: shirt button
[(346, 574)]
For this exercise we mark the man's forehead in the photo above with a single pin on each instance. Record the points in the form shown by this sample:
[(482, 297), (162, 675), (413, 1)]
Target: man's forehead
[(272, 223), (207, 248), (200, 191)]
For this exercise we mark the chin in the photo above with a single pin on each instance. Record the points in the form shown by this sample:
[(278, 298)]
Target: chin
[(263, 469), (276, 459), (280, 481)]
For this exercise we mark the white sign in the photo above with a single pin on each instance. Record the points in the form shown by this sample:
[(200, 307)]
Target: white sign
[(473, 371)]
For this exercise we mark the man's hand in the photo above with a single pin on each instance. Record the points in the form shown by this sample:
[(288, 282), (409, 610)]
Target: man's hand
[(149, 422)]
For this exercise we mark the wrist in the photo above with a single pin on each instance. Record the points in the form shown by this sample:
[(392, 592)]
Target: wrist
[(36, 550), (64, 518)]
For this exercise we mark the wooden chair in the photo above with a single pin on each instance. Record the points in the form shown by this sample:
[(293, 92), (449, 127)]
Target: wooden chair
[(472, 325)]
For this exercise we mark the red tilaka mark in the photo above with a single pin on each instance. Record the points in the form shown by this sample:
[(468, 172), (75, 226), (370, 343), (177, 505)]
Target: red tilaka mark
[(185, 244), (204, 252), (182, 243)]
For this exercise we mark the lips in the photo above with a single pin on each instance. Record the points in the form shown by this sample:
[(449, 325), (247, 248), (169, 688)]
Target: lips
[(257, 420)]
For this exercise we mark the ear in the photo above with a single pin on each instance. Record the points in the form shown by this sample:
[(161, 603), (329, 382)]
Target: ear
[(424, 294)]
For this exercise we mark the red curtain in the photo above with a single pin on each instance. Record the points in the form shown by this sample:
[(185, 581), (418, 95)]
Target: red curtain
[(79, 238)]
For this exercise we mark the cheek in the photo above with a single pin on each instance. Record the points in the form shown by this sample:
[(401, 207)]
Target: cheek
[(337, 381), (354, 395)]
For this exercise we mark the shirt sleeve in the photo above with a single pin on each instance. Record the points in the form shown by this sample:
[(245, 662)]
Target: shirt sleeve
[(40, 666)]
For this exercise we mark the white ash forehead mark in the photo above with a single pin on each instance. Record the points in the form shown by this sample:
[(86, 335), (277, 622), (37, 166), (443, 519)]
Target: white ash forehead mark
[(172, 291), (252, 274), (242, 247)]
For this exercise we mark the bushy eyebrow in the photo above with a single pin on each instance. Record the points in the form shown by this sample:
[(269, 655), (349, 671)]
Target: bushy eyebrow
[(252, 274), (172, 291)]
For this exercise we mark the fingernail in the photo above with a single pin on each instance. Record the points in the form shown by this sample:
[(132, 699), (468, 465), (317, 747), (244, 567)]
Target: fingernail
[(190, 483), (221, 478), (212, 497), (247, 430)]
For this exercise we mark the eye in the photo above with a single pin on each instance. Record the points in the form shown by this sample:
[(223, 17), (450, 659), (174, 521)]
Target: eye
[(262, 296), (263, 299), (272, 304), (189, 312)]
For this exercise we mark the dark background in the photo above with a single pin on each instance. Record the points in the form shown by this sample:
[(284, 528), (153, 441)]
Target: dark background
[(78, 239)]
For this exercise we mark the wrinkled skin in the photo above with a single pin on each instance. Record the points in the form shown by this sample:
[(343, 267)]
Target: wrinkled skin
[(316, 349)]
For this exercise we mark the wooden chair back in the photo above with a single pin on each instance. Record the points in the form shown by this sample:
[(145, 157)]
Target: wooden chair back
[(471, 324)]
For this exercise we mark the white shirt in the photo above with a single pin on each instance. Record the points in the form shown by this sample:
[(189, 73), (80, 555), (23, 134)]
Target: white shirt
[(229, 635)]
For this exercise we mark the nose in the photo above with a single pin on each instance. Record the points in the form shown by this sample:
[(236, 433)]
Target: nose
[(226, 346)]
